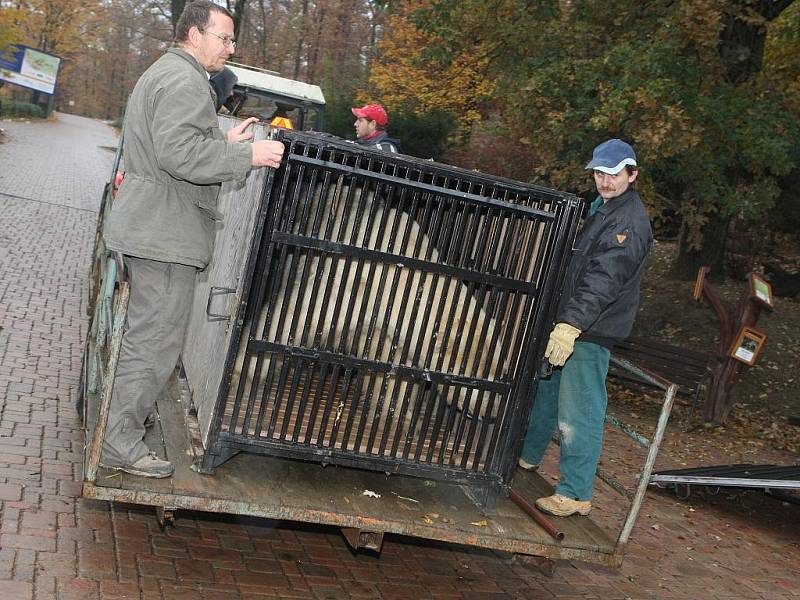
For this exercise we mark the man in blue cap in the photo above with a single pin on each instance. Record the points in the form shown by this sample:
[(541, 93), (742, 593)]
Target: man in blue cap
[(597, 309)]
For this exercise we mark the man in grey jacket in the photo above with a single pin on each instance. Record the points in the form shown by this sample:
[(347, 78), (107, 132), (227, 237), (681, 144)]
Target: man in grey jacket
[(163, 219), (597, 308)]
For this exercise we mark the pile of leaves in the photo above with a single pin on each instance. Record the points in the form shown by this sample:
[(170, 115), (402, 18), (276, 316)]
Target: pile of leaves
[(752, 434)]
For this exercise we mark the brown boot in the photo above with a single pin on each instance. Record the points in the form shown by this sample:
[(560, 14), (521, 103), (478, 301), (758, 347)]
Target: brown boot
[(561, 506)]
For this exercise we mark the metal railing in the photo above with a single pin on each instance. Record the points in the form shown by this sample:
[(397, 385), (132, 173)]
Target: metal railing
[(652, 445)]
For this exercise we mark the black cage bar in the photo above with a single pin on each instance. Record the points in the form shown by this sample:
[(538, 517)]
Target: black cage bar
[(392, 315)]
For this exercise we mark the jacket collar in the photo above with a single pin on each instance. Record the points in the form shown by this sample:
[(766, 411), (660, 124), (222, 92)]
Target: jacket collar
[(377, 136), (608, 207), (190, 59)]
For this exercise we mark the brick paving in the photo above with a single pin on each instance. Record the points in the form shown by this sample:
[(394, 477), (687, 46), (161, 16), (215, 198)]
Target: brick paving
[(54, 544)]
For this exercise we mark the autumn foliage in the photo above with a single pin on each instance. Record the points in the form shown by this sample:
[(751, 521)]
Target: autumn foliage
[(684, 82), (707, 91), (409, 72)]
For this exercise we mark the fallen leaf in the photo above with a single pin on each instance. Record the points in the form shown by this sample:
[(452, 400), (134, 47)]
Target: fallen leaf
[(479, 523)]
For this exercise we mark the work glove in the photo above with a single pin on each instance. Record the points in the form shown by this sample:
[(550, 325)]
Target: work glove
[(561, 344)]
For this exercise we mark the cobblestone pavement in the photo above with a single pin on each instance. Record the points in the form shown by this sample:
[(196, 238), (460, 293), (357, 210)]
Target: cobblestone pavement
[(53, 544)]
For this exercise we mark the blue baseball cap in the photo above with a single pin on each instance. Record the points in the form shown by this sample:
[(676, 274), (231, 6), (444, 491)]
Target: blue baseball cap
[(612, 156)]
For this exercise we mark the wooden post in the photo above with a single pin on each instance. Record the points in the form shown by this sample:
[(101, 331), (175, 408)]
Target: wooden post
[(732, 323)]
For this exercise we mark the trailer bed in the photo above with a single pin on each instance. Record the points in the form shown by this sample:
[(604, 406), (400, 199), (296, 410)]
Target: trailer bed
[(365, 502)]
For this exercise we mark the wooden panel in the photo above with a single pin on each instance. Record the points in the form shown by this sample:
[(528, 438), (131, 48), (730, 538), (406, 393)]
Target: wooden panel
[(206, 341)]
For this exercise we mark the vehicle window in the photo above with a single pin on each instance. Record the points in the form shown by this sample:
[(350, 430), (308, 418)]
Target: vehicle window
[(250, 103)]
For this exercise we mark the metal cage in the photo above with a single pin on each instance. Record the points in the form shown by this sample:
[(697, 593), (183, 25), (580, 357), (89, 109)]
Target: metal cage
[(392, 314)]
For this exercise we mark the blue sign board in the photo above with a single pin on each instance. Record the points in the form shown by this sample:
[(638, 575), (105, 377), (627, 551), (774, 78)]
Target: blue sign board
[(30, 68)]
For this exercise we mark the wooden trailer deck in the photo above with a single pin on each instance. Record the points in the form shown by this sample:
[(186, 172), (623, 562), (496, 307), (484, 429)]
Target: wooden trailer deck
[(277, 488)]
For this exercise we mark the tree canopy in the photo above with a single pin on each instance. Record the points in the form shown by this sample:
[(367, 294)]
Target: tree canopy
[(707, 91), (107, 44), (699, 89)]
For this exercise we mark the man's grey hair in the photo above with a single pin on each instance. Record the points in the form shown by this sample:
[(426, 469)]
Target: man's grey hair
[(196, 14)]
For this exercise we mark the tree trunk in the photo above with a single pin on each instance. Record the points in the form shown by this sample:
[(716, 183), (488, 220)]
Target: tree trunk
[(301, 41), (238, 10), (176, 6), (315, 43), (741, 44), (720, 399), (711, 252)]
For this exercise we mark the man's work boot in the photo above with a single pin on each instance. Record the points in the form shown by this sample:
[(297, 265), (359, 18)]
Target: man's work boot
[(524, 464), (147, 466), (561, 506)]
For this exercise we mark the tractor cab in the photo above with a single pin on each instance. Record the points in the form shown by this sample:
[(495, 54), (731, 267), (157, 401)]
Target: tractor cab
[(275, 100)]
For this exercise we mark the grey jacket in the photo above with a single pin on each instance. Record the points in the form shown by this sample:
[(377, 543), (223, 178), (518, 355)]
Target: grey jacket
[(175, 158), (601, 290)]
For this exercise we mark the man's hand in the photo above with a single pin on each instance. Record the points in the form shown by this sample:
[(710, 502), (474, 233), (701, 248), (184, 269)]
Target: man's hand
[(237, 134), (267, 153), (561, 344)]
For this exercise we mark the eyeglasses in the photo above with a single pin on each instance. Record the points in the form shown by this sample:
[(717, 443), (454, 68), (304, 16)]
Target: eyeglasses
[(226, 41)]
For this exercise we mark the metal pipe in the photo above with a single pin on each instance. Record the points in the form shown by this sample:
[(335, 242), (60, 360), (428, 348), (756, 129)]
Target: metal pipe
[(647, 375), (644, 478), (745, 482), (625, 428), (537, 516), (603, 475)]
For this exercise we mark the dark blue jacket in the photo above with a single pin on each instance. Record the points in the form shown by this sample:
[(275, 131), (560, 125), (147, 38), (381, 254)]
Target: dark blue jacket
[(382, 141), (601, 290)]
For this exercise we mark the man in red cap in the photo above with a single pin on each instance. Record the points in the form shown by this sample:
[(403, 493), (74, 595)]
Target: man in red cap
[(371, 122)]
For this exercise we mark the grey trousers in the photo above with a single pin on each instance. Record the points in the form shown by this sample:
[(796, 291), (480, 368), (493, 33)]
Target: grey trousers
[(158, 315)]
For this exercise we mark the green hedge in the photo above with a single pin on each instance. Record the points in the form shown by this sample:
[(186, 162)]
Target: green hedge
[(9, 108)]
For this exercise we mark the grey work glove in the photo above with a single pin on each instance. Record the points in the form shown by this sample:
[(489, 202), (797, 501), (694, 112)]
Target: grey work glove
[(561, 344)]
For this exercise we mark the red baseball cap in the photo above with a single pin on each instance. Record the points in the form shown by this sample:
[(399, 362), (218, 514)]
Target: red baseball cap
[(373, 112)]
